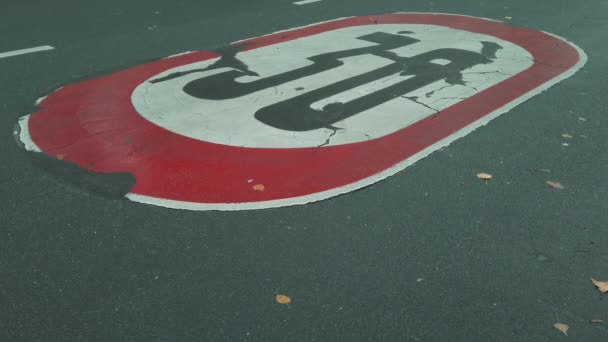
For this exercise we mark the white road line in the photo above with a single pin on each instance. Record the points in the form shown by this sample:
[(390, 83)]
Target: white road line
[(304, 2), (24, 51)]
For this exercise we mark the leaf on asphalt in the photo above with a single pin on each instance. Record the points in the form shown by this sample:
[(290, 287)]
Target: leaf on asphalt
[(283, 299), (555, 185), (508, 17), (259, 187), (602, 286), (567, 136), (582, 119), (484, 176), (596, 321), (563, 328)]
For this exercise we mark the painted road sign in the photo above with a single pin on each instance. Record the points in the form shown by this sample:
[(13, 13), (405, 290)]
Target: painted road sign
[(300, 115)]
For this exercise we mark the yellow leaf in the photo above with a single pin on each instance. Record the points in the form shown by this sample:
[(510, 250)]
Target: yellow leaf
[(563, 328), (259, 187), (602, 286), (555, 185), (283, 299), (484, 176), (567, 136)]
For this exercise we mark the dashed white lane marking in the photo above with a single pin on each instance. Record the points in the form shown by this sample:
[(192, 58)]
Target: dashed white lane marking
[(304, 2), (25, 51)]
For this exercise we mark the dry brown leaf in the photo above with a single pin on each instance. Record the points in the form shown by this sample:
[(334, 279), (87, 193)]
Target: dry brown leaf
[(555, 185), (283, 299), (602, 286), (563, 328), (484, 176), (567, 136), (259, 187), (60, 156)]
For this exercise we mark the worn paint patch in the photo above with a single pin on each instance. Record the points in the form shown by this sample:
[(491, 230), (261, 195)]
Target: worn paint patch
[(110, 185)]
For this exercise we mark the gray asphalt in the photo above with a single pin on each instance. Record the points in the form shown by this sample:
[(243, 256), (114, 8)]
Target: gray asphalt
[(430, 254)]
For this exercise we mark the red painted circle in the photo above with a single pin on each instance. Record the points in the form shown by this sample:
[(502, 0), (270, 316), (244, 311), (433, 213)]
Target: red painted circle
[(94, 125)]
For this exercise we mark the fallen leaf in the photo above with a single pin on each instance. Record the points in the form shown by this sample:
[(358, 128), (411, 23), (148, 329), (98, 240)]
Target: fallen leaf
[(582, 119), (555, 185), (259, 187), (373, 20), (565, 144), (567, 136), (563, 328), (508, 18), (602, 286), (60, 156), (484, 176), (283, 299), (596, 321)]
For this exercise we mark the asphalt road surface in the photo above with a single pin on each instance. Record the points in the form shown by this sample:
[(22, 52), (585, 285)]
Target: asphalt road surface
[(429, 254)]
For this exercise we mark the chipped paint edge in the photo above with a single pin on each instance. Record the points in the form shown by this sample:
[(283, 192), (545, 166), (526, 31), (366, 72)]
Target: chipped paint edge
[(24, 134), (22, 129)]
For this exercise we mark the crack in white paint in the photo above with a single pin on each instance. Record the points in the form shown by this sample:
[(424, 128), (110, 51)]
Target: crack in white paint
[(415, 99), (334, 131)]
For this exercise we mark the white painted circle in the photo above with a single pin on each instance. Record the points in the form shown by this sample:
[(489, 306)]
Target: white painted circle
[(232, 122)]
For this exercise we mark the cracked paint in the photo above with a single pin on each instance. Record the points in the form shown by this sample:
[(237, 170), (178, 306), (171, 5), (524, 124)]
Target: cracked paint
[(334, 131), (415, 99)]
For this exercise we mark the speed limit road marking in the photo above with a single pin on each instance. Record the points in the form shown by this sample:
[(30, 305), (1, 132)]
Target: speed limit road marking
[(303, 114)]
